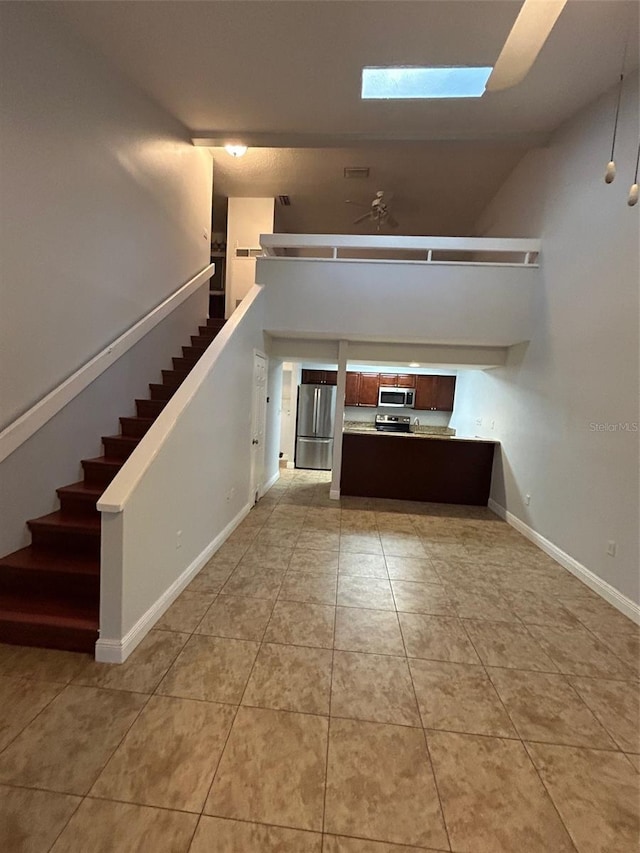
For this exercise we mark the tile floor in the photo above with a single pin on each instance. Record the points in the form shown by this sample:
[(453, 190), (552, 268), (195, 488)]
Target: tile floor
[(353, 677)]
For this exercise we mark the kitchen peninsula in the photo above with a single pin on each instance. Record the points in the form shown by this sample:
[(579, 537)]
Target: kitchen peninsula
[(416, 466)]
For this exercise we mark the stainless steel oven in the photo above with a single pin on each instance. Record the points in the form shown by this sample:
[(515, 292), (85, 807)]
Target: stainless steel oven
[(400, 397)]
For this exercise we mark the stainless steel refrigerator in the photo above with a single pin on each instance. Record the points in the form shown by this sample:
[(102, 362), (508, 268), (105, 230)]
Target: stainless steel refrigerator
[(314, 430)]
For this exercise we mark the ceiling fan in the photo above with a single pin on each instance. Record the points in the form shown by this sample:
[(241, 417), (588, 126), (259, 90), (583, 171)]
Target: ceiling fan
[(378, 211), (528, 35)]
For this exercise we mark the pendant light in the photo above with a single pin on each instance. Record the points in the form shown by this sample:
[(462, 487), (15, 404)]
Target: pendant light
[(610, 173), (633, 192)]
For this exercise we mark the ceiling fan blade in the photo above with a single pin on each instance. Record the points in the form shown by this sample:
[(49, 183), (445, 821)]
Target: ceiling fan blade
[(525, 41), (361, 218), (357, 203)]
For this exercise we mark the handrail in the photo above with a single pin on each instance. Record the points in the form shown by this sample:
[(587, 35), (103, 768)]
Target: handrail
[(117, 493), (41, 412), (426, 248)]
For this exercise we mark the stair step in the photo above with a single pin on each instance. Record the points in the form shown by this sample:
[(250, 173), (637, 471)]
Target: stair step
[(135, 427), (78, 498), (215, 322), (101, 470), (70, 632), (80, 533), (193, 353), (185, 364), (119, 446), (149, 408), (56, 576), (161, 392), (208, 331), (174, 378), (202, 341)]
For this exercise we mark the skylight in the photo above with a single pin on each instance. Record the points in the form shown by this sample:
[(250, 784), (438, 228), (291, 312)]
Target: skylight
[(398, 83)]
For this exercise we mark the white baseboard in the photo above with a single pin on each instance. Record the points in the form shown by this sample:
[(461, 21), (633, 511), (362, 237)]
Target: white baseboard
[(291, 465), (117, 651), (605, 590), (270, 482), (334, 494)]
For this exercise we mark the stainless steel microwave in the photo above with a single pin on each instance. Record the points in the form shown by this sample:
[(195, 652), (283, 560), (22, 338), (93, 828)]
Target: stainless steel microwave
[(400, 397)]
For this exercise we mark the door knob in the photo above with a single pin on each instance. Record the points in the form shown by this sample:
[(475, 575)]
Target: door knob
[(255, 441)]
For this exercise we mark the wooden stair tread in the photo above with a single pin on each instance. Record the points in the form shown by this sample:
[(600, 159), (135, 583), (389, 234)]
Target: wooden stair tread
[(105, 460), (81, 489), (32, 559), (81, 523), (83, 621)]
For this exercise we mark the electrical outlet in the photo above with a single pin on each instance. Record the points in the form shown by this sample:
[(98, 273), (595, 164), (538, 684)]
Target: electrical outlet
[(612, 547), (178, 539), (527, 500)]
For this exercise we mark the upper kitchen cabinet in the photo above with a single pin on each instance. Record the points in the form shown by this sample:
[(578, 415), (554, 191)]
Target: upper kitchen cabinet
[(435, 393), (369, 384), (319, 377), (352, 390), (406, 380)]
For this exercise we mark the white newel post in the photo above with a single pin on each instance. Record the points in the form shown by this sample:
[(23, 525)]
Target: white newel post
[(336, 468)]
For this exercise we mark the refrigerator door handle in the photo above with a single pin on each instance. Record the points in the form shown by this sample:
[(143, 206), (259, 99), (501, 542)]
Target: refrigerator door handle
[(316, 394)]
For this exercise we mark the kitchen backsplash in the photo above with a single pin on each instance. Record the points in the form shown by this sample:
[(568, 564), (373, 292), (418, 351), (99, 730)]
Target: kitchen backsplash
[(368, 415), (426, 429)]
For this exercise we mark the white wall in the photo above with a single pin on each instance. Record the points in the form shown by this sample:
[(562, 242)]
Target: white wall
[(185, 486), (581, 366), (105, 208), (368, 300), (247, 219)]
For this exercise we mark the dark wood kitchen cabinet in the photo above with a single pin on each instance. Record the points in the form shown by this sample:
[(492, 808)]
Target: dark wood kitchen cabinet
[(368, 395), (319, 377), (352, 390), (388, 380), (435, 393), (406, 380)]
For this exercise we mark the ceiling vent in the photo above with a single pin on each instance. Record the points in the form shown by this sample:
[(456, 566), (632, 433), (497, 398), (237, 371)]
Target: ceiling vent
[(356, 171), (284, 200)]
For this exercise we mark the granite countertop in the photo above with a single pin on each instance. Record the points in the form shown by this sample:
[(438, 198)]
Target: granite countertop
[(364, 429)]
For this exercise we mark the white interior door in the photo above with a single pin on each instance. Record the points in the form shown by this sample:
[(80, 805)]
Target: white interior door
[(258, 422)]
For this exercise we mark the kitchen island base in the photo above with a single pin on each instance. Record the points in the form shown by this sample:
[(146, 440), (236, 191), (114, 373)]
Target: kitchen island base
[(437, 470)]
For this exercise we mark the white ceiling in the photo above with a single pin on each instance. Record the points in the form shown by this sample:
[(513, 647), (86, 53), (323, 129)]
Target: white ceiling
[(290, 70)]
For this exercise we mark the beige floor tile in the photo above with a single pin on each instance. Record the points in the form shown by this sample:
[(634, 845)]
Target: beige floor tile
[(492, 798), (412, 569), (237, 617), (373, 687), (341, 844), (22, 699), (624, 646), (370, 593), (536, 608), (361, 543), (261, 557), (598, 615), (459, 698), (577, 652), (270, 537), (429, 599), (173, 749), (41, 664), (215, 669), (290, 678), (67, 745), (377, 774), (143, 669), (360, 630), (436, 638), (314, 561), (272, 770), (617, 705), (301, 624), (402, 546), (254, 584), (30, 821), (596, 793), (481, 604), (186, 612), (210, 579), (634, 758), (316, 589), (101, 826), (216, 835), (544, 707), (319, 540), (362, 565), (507, 644)]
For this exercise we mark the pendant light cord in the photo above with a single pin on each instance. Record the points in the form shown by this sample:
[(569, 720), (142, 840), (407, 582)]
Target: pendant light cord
[(615, 122), (635, 179)]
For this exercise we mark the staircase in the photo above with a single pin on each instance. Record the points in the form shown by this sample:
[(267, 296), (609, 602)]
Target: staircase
[(50, 591)]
